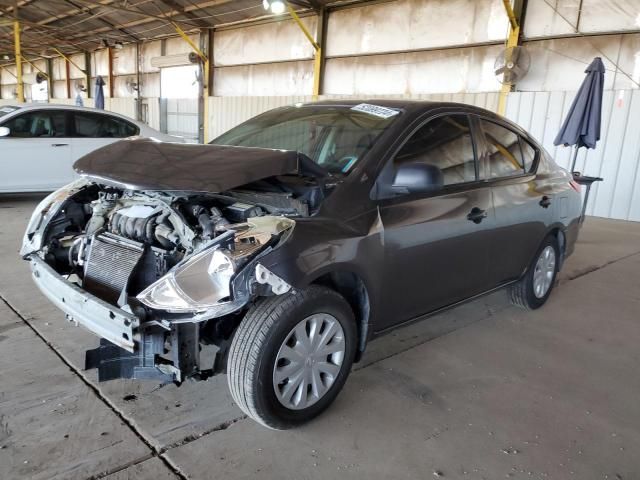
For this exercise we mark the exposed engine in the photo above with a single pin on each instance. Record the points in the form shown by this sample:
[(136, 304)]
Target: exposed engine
[(162, 260), (120, 242)]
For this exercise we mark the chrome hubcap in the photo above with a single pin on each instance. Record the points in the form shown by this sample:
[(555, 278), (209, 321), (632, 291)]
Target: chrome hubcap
[(309, 361), (544, 272)]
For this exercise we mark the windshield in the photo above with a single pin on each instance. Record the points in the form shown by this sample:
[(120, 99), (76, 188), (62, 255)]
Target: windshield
[(7, 109), (334, 137)]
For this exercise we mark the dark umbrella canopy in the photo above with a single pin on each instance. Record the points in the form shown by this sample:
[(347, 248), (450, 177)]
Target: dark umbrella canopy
[(99, 93), (582, 125)]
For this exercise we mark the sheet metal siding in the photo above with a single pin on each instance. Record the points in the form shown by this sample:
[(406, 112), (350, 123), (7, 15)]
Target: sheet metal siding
[(227, 112), (182, 118), (616, 157)]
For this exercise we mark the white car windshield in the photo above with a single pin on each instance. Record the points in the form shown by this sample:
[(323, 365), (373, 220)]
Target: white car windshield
[(7, 109)]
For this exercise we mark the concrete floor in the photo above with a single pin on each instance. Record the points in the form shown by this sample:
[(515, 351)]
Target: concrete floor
[(485, 391)]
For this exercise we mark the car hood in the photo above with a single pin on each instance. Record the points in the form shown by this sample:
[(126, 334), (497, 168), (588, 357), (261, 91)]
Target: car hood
[(147, 164)]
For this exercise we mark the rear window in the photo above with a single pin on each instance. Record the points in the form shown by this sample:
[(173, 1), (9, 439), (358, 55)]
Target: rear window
[(528, 155), (503, 151)]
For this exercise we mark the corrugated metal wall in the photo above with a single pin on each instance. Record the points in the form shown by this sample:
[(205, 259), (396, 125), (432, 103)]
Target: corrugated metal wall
[(182, 118), (617, 158), (227, 112)]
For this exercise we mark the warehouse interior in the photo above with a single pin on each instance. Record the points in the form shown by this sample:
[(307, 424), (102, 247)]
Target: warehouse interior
[(480, 391)]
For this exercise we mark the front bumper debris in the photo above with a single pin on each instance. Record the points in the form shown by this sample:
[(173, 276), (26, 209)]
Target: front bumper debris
[(111, 323), (126, 350)]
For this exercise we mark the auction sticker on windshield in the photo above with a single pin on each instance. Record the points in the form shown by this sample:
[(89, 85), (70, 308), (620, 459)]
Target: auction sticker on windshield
[(376, 110)]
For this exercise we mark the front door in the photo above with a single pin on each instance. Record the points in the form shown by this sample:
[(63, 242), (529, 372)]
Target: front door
[(36, 155), (436, 245)]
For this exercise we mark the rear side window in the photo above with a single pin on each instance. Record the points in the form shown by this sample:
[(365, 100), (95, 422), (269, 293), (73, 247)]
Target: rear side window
[(92, 125), (444, 142), (528, 154), (42, 123), (502, 151)]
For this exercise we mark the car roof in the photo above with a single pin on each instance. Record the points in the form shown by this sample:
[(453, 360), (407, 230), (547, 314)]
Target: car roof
[(403, 104), (419, 107), (59, 106)]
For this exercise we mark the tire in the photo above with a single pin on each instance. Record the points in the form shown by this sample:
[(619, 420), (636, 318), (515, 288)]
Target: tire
[(260, 340), (524, 293)]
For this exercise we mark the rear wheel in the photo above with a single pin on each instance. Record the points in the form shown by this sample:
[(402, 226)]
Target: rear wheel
[(534, 288), (291, 355)]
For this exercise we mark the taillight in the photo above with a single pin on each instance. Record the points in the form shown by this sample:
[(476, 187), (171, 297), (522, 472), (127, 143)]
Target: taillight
[(575, 185)]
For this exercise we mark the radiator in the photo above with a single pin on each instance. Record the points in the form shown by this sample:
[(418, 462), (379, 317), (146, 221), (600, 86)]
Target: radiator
[(110, 262)]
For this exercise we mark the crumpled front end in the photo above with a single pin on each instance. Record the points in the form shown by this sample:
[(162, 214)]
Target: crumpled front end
[(156, 275)]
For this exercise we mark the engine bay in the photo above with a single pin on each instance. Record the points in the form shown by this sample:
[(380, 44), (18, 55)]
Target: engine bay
[(158, 274), (115, 243)]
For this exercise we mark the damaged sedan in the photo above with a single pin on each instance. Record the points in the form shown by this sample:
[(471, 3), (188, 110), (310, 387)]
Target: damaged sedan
[(295, 238)]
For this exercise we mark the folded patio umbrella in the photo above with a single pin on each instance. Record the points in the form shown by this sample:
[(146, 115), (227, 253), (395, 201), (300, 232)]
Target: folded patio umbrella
[(581, 128), (99, 93)]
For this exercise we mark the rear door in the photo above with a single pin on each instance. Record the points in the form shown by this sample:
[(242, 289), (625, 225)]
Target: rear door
[(36, 156), (92, 130), (522, 200), (436, 245)]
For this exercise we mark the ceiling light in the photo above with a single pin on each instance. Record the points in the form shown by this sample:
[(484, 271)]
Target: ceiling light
[(276, 6)]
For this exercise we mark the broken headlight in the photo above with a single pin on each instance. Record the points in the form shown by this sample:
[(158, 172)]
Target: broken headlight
[(201, 282), (44, 212)]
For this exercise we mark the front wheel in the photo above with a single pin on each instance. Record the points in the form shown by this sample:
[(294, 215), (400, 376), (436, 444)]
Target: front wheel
[(533, 290), (291, 355)]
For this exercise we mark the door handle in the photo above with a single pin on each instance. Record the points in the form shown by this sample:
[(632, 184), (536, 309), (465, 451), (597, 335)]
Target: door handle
[(545, 202), (476, 215), (59, 144)]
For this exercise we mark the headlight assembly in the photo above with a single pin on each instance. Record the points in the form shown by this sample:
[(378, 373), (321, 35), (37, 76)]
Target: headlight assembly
[(44, 212), (200, 283)]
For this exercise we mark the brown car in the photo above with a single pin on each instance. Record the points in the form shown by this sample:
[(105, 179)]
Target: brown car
[(294, 239)]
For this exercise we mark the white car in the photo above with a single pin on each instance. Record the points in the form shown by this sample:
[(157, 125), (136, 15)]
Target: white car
[(39, 143)]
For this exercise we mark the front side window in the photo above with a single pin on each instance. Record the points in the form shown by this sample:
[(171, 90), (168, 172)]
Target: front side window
[(446, 143), (37, 124), (502, 150), (92, 125), (334, 137)]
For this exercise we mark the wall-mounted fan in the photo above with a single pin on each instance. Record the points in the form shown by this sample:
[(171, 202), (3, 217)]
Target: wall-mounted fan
[(34, 78), (131, 85), (512, 64)]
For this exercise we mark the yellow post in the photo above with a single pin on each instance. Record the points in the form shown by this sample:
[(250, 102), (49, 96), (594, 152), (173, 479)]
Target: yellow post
[(4, 67), (16, 38), (205, 104), (511, 14), (205, 80), (317, 64), (186, 38), (69, 60), (36, 67), (512, 41)]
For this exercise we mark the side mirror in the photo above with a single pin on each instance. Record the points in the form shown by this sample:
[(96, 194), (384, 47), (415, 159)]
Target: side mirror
[(417, 178), (4, 131)]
